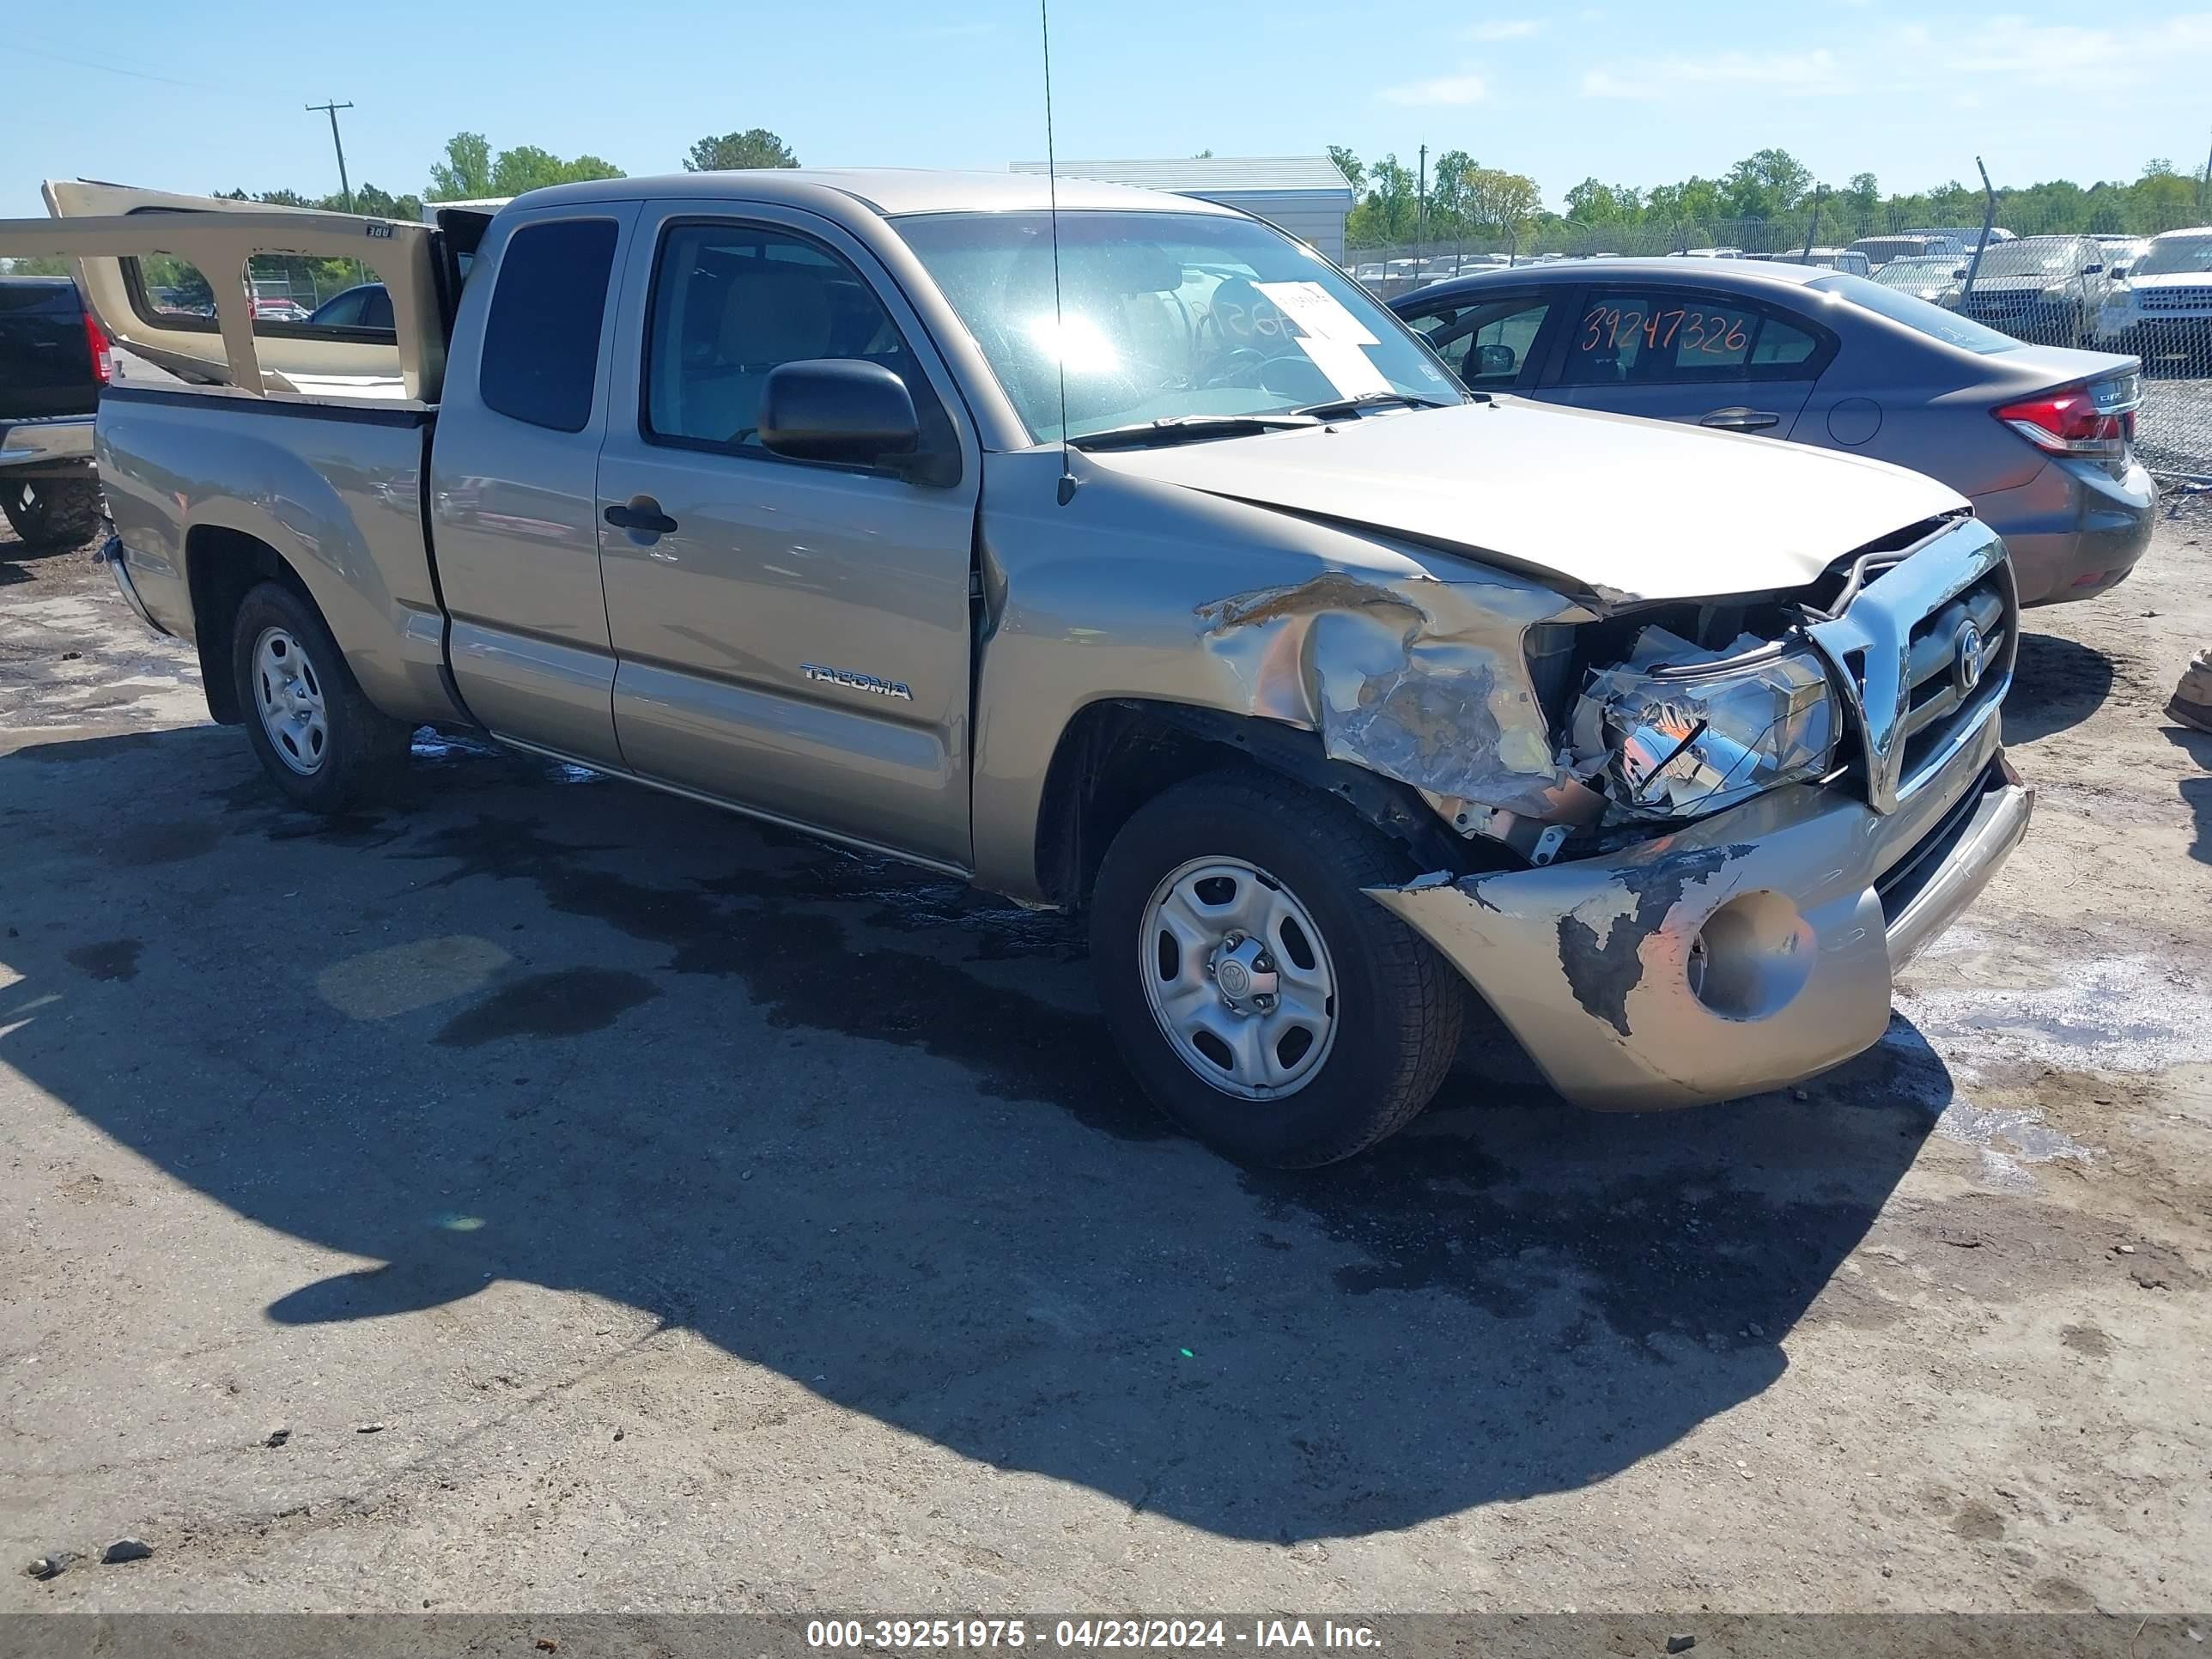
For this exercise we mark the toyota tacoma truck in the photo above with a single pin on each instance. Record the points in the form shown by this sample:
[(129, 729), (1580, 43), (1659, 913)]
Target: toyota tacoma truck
[(1115, 552)]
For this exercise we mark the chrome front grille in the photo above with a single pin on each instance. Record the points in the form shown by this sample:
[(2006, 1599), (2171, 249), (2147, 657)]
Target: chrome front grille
[(1937, 700), (2174, 299), (1926, 648)]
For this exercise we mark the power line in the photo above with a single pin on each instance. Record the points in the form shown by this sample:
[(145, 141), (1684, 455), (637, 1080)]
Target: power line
[(112, 69)]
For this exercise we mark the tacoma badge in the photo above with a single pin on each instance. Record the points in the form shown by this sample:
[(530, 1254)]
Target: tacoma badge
[(844, 676)]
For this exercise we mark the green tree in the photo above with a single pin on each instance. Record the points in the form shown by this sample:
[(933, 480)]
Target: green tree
[(526, 166), (466, 174), (1856, 201), (1501, 203), (1596, 204), (755, 147), (1765, 185), (1353, 169)]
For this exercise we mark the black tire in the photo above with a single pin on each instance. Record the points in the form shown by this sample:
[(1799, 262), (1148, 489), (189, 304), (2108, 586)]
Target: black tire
[(52, 515), (359, 747), (1399, 1005)]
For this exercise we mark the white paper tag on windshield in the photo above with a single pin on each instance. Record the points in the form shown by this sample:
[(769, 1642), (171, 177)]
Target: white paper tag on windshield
[(1318, 312), (1347, 365)]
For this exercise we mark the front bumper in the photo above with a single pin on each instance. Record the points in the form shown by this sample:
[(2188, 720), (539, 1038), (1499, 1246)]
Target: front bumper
[(1740, 954), (63, 444)]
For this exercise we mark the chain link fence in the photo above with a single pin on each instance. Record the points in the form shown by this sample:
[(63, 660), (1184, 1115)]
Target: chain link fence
[(2148, 297)]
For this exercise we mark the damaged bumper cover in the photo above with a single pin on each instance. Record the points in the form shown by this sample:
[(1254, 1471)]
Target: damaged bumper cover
[(1746, 953)]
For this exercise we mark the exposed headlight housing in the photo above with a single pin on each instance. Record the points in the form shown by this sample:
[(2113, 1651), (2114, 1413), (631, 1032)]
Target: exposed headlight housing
[(1682, 733)]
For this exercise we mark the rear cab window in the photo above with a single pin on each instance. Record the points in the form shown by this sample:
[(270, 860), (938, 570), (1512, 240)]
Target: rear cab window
[(1664, 336), (540, 359)]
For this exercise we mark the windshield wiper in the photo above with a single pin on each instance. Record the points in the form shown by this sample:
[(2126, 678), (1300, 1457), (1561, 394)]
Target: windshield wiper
[(1337, 407), (1179, 428)]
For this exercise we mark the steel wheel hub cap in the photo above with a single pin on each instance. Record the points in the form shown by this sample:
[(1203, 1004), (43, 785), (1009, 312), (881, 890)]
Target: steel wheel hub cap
[(1238, 978), (288, 693)]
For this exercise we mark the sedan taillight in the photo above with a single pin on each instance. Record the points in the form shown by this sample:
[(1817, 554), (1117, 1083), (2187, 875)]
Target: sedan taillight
[(2095, 418)]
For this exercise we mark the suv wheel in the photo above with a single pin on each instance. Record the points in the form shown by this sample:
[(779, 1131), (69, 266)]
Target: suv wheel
[(1265, 1003), (52, 515), (324, 743)]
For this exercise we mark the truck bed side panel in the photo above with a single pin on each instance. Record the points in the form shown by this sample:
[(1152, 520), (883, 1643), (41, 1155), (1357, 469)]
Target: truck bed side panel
[(335, 491)]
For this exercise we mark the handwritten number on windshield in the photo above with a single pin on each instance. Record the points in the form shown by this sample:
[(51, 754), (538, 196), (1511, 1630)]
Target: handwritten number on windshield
[(1713, 332)]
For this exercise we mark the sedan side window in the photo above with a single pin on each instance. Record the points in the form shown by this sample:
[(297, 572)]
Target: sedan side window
[(732, 302), (1488, 342), (1678, 337)]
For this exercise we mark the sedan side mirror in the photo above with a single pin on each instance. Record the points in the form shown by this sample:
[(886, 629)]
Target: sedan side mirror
[(837, 409), (1494, 360)]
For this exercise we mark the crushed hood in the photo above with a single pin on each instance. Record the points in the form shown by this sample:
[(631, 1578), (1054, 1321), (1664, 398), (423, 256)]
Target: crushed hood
[(1615, 509)]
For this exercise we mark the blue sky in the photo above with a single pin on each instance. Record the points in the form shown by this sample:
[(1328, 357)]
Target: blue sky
[(206, 95)]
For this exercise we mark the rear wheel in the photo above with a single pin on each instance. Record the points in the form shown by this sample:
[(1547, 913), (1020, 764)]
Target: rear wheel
[(49, 514), (324, 743), (1265, 1003)]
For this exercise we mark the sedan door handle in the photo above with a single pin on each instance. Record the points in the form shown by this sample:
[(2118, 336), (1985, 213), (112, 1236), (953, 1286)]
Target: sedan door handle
[(643, 515), (1740, 419)]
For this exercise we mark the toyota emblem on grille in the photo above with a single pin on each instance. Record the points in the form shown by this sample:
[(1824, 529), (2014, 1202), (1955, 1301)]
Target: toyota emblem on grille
[(1968, 659)]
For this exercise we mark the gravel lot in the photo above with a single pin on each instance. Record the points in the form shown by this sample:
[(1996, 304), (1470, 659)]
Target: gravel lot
[(545, 1193)]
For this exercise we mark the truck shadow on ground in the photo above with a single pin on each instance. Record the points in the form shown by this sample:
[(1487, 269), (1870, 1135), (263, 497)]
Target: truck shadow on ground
[(711, 1080), (2057, 683)]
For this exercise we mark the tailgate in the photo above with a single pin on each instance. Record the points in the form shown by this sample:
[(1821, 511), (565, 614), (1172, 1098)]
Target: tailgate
[(45, 350), (171, 278)]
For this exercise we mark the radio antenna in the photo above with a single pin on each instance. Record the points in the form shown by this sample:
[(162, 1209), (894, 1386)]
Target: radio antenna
[(1052, 198)]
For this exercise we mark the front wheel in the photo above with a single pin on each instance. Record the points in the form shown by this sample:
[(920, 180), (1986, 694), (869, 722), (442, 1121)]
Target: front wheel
[(324, 743), (51, 514), (1265, 1003)]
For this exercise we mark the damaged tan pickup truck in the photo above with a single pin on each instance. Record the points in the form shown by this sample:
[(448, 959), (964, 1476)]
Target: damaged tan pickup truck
[(1149, 565)]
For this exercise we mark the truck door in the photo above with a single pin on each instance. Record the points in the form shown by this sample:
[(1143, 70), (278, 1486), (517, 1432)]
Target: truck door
[(793, 637), (513, 517)]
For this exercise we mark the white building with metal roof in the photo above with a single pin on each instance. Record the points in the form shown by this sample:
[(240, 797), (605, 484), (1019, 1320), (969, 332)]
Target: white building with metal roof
[(1303, 194)]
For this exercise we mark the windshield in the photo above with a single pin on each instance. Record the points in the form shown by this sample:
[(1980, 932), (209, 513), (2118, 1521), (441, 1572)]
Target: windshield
[(2173, 255), (1917, 273), (2032, 258), (1932, 320), (1165, 316)]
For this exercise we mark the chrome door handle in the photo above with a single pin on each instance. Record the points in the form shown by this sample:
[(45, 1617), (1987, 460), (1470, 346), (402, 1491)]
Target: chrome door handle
[(1740, 419)]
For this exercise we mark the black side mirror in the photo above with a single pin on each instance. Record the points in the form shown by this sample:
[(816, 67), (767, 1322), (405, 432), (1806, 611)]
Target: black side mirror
[(2091, 270), (837, 409), (1493, 359)]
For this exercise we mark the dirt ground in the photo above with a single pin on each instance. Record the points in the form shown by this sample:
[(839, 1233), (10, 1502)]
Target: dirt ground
[(543, 1193)]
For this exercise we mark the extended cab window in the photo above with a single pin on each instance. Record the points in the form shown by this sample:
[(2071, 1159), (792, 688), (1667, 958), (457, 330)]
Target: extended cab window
[(1487, 341), (732, 302), (1674, 336), (541, 345)]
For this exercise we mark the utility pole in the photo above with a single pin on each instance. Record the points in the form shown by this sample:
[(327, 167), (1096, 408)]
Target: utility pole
[(1421, 205), (345, 185)]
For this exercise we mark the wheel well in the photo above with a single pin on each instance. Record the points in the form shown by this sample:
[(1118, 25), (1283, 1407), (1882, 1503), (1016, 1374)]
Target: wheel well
[(221, 567), (1116, 756)]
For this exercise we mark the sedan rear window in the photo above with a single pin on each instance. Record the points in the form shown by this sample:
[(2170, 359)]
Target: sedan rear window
[(1934, 321)]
